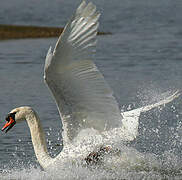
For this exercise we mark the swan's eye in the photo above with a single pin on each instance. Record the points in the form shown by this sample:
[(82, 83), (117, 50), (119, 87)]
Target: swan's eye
[(12, 115), (10, 118)]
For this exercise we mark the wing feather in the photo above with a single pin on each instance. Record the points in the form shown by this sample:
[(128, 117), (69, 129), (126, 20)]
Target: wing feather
[(83, 97)]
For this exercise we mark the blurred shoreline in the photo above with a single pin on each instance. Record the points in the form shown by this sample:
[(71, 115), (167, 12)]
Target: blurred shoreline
[(20, 32)]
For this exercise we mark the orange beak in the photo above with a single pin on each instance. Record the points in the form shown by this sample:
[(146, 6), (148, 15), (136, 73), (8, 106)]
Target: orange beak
[(11, 122)]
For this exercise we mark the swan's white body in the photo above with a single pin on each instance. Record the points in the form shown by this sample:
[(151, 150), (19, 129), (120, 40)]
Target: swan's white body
[(88, 109)]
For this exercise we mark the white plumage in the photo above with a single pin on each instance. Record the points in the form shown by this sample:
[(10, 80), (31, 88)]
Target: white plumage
[(83, 97), (89, 112)]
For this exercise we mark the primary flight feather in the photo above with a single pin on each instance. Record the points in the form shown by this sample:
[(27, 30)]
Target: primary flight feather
[(83, 97)]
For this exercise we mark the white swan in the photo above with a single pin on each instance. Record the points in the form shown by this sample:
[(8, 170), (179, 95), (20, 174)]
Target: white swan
[(88, 109)]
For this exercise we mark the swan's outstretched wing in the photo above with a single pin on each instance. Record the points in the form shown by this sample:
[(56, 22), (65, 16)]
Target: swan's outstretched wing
[(83, 97), (130, 120)]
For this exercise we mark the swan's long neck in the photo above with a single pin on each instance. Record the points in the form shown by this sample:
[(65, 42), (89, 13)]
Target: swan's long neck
[(38, 139)]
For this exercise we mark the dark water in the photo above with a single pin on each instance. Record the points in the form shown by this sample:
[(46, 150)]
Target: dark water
[(140, 60)]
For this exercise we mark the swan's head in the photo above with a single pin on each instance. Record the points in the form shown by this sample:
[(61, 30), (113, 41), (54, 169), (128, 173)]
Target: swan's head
[(15, 116)]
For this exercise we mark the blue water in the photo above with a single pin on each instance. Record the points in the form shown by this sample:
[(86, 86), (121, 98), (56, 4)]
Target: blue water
[(140, 60)]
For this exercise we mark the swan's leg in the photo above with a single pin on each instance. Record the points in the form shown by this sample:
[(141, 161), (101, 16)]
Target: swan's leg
[(94, 158)]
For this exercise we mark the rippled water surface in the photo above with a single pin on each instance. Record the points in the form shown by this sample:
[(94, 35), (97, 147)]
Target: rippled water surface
[(140, 60)]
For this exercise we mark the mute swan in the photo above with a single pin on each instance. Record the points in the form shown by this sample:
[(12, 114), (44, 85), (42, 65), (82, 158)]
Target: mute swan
[(87, 107)]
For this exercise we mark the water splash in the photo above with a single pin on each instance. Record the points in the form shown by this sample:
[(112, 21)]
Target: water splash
[(130, 165), (155, 154)]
